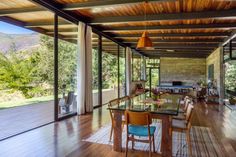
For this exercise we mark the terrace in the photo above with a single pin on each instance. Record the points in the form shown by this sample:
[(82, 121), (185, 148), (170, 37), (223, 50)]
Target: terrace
[(58, 81)]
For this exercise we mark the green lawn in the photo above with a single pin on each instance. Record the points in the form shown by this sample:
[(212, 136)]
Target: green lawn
[(15, 103), (9, 104)]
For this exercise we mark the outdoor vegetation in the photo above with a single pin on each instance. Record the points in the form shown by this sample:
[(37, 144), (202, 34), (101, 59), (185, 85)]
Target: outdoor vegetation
[(27, 76), (230, 76)]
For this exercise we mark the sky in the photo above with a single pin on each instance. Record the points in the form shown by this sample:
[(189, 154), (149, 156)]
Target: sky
[(12, 29)]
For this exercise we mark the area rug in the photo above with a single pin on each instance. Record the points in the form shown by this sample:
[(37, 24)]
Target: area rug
[(203, 141)]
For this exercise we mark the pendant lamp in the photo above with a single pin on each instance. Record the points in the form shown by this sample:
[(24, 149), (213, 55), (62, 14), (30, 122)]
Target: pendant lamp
[(144, 41)]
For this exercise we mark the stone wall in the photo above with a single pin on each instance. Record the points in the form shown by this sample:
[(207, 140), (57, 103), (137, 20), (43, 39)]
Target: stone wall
[(215, 58), (187, 70)]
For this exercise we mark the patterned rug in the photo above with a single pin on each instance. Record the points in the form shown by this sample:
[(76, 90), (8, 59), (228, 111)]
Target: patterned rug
[(204, 143)]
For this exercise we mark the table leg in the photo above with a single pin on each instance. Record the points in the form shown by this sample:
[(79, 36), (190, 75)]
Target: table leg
[(117, 142), (166, 143)]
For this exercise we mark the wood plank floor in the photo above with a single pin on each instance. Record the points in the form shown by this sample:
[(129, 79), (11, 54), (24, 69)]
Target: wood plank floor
[(64, 138)]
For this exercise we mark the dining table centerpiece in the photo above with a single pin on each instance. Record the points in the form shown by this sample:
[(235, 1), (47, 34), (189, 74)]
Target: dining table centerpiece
[(156, 94)]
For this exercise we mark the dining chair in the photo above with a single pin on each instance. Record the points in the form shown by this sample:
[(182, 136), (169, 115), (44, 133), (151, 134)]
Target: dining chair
[(183, 111), (184, 126), (138, 124), (110, 104)]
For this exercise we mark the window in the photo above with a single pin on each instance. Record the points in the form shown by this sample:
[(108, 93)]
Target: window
[(67, 65), (95, 63), (109, 70), (136, 66), (122, 72)]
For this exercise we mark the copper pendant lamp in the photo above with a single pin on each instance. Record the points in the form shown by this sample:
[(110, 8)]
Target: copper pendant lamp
[(144, 41)]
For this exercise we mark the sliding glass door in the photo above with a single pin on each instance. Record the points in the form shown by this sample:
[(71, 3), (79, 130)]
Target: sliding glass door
[(67, 69)]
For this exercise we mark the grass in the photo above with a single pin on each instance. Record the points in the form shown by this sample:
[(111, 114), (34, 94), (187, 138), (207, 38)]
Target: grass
[(35, 100), (15, 103)]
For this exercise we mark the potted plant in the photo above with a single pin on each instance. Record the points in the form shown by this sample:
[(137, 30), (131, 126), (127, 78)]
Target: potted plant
[(156, 94)]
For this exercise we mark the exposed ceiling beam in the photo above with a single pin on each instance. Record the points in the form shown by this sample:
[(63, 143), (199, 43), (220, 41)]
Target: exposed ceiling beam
[(176, 55), (166, 17), (47, 23), (73, 17), (167, 27), (181, 45), (39, 30), (171, 41), (210, 34), (226, 40), (102, 4), (5, 12), (174, 50)]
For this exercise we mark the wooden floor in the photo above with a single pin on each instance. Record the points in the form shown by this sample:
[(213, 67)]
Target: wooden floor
[(64, 138), (19, 119)]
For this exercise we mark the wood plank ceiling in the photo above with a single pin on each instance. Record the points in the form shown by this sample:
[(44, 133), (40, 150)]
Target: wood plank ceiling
[(178, 28)]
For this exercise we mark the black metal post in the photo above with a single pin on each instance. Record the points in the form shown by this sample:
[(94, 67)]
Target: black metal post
[(55, 67), (118, 68), (99, 70), (125, 72)]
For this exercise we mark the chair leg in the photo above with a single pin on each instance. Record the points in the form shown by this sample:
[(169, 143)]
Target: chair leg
[(132, 142), (150, 147), (153, 140), (189, 143), (126, 148), (111, 132)]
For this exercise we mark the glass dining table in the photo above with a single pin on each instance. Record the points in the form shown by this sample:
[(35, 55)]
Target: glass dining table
[(163, 108)]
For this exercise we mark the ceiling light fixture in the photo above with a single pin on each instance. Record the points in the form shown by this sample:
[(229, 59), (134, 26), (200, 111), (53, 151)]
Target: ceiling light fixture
[(144, 41)]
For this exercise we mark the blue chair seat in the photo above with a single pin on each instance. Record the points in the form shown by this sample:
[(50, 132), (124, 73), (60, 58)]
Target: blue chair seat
[(140, 130)]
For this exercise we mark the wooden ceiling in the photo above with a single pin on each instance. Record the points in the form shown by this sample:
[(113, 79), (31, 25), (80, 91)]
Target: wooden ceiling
[(178, 28)]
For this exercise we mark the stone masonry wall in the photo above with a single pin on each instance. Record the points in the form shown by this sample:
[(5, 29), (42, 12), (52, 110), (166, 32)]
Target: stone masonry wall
[(215, 59), (187, 70)]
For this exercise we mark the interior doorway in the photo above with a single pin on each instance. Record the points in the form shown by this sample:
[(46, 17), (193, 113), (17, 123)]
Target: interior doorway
[(153, 77)]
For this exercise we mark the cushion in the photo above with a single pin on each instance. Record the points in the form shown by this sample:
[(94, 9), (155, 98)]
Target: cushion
[(138, 130), (180, 116), (179, 124)]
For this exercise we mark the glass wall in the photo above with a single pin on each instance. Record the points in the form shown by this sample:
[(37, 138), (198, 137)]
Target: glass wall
[(136, 65), (230, 69), (122, 72), (26, 76), (109, 70), (67, 65), (152, 72)]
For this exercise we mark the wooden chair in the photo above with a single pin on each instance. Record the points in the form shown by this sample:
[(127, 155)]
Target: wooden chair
[(183, 111), (110, 104), (184, 126), (138, 124)]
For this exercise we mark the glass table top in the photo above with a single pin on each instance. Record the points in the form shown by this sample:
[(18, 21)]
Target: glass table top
[(166, 104)]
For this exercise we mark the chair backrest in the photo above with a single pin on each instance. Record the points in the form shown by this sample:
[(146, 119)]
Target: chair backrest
[(70, 98), (137, 118), (186, 103), (110, 104), (189, 112), (189, 115), (125, 98)]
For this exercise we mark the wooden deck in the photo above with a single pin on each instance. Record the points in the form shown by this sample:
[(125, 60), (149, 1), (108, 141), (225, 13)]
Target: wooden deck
[(64, 138), (19, 119)]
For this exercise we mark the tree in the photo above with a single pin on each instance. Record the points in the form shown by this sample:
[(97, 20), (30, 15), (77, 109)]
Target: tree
[(16, 73)]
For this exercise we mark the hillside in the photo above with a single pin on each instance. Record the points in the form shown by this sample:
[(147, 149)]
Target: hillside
[(21, 41)]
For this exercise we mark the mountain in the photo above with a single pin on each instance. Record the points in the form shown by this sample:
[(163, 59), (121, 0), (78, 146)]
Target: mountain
[(18, 41)]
